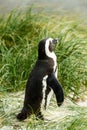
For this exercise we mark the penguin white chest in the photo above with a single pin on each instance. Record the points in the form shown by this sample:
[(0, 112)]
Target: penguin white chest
[(44, 84)]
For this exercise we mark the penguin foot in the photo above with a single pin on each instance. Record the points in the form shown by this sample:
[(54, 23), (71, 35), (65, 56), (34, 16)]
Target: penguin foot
[(39, 116), (21, 116), (59, 104)]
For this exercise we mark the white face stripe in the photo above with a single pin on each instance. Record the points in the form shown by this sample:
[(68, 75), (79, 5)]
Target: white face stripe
[(50, 54)]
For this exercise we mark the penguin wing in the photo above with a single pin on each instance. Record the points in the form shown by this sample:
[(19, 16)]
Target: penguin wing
[(57, 88)]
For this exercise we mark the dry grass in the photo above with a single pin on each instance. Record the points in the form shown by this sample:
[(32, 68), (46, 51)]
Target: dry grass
[(55, 118)]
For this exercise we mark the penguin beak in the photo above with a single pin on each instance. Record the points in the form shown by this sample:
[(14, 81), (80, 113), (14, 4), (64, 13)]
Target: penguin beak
[(55, 40)]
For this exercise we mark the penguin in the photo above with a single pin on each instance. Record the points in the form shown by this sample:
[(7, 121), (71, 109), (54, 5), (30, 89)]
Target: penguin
[(42, 82)]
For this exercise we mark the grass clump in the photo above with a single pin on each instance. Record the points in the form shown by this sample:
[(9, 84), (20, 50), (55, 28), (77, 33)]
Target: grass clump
[(19, 37)]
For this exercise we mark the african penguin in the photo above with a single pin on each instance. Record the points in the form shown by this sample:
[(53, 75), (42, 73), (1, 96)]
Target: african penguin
[(42, 81)]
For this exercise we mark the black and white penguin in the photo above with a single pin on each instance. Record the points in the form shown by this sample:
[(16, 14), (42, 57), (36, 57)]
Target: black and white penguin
[(42, 82)]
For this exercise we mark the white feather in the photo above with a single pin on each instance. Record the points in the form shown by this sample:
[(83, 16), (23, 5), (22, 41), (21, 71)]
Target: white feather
[(43, 91)]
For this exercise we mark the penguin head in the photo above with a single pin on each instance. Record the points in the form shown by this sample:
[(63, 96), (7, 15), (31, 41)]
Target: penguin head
[(46, 47)]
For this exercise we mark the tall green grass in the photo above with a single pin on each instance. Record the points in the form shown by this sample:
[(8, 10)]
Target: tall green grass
[(19, 37)]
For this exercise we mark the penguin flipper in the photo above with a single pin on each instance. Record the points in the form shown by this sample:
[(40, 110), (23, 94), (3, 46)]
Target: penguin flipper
[(56, 87)]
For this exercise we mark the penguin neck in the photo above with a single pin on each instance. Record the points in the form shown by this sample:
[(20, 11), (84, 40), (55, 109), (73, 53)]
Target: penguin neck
[(42, 57)]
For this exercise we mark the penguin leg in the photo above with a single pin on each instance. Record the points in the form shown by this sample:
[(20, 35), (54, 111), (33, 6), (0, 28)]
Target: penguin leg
[(48, 96), (39, 116), (57, 88)]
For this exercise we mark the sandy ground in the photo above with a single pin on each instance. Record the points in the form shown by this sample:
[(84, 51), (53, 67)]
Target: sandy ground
[(11, 104)]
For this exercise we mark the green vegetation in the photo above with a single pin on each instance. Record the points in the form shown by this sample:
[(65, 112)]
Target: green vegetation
[(19, 37), (20, 33)]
